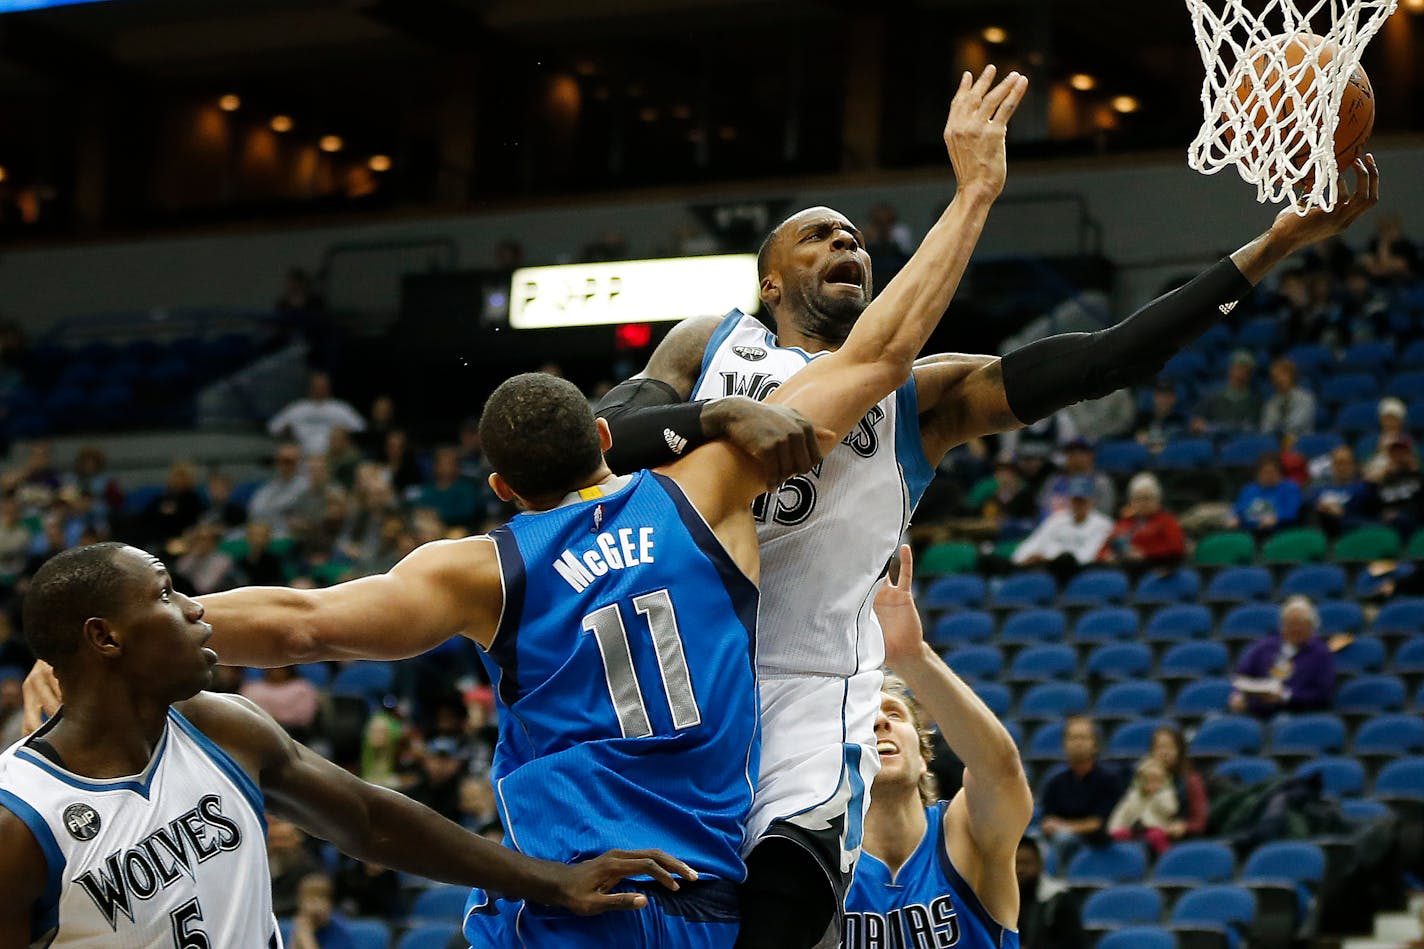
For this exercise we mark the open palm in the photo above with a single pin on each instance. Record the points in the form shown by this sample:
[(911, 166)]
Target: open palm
[(899, 617)]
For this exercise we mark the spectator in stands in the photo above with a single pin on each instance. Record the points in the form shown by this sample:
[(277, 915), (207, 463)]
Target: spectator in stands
[(309, 421), (259, 566), (438, 784), (1233, 407), (1149, 805), (1165, 420), (290, 863), (373, 503), (477, 809), (310, 506), (401, 467), (368, 889), (12, 708), (1078, 463), (299, 294), (381, 746), (1112, 416), (90, 477), (1269, 502), (885, 230), (15, 539), (1392, 415), (1390, 255), (1399, 493), (203, 567), (343, 458), (289, 698), (1147, 535), (1291, 409), (317, 924), (37, 470), (454, 497), (1293, 671), (1068, 540), (1078, 799), (1363, 307), (274, 501), (176, 509), (1169, 747), (1341, 500), (221, 509), (1048, 914), (372, 441), (1003, 504), (471, 453)]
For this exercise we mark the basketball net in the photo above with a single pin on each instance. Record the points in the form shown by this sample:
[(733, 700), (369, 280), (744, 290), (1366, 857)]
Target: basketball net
[(1280, 135)]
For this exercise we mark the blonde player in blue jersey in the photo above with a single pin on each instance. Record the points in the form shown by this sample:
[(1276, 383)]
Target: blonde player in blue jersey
[(936, 873), (135, 816)]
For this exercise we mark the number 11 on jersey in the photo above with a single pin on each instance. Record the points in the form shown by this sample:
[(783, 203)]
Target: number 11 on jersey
[(611, 634)]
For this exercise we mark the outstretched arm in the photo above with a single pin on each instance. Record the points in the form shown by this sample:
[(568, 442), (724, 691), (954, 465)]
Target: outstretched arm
[(378, 825), (963, 397), (985, 820)]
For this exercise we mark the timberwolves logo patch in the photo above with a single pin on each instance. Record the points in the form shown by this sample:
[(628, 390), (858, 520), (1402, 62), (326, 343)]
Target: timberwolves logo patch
[(82, 821), (750, 353)]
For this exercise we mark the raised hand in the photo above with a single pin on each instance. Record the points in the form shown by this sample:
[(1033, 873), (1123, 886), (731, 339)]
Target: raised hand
[(898, 615), (584, 887), (1317, 225), (779, 437), (42, 696), (974, 133)]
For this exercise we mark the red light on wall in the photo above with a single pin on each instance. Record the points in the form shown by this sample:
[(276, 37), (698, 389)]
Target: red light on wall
[(632, 336)]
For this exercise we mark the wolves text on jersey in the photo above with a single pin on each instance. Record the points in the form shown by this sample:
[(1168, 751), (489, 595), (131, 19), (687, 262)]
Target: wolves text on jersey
[(916, 926), (864, 439), (157, 861), (607, 553)]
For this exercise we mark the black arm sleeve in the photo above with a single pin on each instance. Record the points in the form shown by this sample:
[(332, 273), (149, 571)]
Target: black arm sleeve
[(1055, 372), (650, 424)]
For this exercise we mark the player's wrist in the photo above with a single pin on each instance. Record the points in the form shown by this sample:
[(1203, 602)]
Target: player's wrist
[(718, 415)]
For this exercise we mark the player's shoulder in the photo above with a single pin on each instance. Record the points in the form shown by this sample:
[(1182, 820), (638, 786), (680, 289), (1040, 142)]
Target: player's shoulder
[(678, 359), (235, 724)]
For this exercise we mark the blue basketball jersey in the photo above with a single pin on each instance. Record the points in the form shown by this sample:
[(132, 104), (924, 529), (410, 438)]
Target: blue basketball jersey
[(624, 677), (927, 905)]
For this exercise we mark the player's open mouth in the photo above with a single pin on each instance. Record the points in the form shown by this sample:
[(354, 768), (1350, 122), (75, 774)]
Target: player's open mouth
[(887, 748), (848, 271)]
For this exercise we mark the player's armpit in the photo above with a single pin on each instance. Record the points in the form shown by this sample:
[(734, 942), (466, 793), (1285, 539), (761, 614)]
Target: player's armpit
[(440, 590), (23, 877), (961, 397)]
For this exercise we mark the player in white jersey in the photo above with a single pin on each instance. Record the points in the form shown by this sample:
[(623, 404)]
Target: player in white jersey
[(135, 817), (827, 536)]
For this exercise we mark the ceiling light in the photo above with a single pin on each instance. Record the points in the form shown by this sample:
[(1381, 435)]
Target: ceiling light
[(1125, 104), (230, 103), (995, 34), (281, 123), (379, 163), (331, 143), (1082, 82)]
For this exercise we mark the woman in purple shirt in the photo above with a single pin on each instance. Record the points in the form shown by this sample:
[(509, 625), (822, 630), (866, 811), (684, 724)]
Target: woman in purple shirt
[(1291, 672)]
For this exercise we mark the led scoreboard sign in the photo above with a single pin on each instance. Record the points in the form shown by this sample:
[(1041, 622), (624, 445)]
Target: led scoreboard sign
[(632, 291), (15, 6)]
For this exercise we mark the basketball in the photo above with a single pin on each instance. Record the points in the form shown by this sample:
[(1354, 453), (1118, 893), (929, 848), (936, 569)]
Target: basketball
[(1260, 89)]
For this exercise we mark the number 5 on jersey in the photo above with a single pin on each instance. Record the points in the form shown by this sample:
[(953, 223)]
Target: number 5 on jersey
[(611, 634)]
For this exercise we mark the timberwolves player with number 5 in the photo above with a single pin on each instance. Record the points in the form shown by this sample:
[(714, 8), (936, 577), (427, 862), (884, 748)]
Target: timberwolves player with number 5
[(135, 817)]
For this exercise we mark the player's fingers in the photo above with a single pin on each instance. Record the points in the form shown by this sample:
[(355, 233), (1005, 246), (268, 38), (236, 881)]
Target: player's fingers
[(618, 901), (907, 567), (1374, 177), (1011, 101), (652, 868), (998, 94), (813, 443), (985, 80), (801, 454), (668, 861)]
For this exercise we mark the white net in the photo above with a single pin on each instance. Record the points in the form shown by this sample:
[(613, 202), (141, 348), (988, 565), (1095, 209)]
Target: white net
[(1271, 98)]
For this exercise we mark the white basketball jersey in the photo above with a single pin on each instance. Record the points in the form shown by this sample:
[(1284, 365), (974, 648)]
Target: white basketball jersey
[(172, 858), (826, 536)]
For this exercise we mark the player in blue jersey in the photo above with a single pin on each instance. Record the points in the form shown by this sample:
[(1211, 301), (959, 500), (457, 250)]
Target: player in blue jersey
[(617, 613), (135, 816), (936, 873)]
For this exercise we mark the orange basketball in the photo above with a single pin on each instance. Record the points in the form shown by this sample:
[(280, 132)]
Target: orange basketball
[(1260, 91)]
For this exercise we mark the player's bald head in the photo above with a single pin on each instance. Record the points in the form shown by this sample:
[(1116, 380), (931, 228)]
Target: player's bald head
[(766, 253)]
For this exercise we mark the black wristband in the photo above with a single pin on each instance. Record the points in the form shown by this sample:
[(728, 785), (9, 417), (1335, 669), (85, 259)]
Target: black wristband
[(650, 424), (1053, 373)]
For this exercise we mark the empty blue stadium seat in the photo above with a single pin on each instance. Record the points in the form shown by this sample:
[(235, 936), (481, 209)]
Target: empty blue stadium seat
[(1408, 386), (1358, 417), (1348, 387), (1175, 586), (428, 937), (369, 679), (1124, 457), (1118, 862), (1196, 863), (1025, 589), (1409, 658), (1248, 770), (1239, 585), (1340, 776), (996, 696), (1259, 333), (1098, 587), (371, 933), (1132, 740), (1316, 581), (1054, 700), (1046, 743), (1315, 444), (1201, 698), (1119, 661), (954, 592), (1187, 366), (1413, 354), (1185, 453), (976, 662), (1122, 906), (1404, 615), (1194, 660), (1251, 621), (317, 673), (1397, 735), (1311, 358), (1229, 734), (1402, 778), (1125, 699), (1106, 623), (1296, 860), (1364, 654), (1312, 734), (1220, 905), (1243, 450), (1034, 626), (1415, 417), (1371, 358), (440, 902), (966, 626), (1340, 616), (1359, 810), (1178, 621), (1138, 937), (1047, 661), (1370, 694)]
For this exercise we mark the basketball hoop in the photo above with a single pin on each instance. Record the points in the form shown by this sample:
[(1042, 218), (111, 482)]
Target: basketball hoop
[(1272, 95)]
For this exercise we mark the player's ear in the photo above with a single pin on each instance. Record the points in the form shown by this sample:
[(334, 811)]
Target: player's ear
[(101, 637), (605, 435), (501, 489), (771, 289)]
